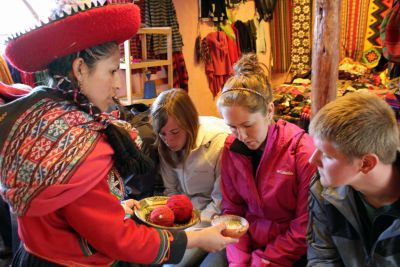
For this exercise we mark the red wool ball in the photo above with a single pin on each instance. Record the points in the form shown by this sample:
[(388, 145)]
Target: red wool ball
[(182, 208), (163, 216)]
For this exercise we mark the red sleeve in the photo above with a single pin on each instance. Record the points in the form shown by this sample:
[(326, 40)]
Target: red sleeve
[(290, 246), (98, 217), (232, 203)]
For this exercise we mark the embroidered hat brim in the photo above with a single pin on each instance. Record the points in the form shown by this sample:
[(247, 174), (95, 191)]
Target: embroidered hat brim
[(36, 49)]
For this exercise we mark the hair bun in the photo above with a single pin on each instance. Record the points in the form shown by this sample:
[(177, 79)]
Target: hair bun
[(247, 65)]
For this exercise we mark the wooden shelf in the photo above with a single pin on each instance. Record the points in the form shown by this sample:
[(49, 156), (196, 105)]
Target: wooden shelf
[(155, 30), (146, 63)]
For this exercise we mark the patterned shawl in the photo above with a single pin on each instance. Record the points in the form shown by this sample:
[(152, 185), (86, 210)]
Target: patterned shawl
[(43, 140)]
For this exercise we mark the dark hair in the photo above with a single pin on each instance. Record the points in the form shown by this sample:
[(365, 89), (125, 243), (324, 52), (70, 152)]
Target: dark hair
[(175, 103), (130, 161)]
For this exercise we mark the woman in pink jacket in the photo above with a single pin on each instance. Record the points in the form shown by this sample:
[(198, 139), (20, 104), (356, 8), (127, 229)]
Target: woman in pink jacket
[(265, 172)]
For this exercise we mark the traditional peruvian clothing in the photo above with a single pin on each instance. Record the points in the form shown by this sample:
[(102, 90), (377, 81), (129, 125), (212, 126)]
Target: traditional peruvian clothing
[(57, 173)]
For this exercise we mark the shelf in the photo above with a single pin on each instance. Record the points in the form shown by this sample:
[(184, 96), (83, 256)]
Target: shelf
[(146, 64), (155, 30)]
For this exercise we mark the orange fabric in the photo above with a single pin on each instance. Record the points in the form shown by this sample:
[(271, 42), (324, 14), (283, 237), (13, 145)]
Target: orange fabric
[(5, 75)]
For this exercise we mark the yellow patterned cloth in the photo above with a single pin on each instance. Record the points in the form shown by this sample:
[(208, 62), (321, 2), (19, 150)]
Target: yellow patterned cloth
[(5, 75)]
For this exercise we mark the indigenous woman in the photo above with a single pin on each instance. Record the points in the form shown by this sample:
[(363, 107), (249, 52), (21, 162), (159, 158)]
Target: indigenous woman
[(62, 157)]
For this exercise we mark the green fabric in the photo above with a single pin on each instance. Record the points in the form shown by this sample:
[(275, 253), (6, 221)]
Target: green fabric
[(373, 212)]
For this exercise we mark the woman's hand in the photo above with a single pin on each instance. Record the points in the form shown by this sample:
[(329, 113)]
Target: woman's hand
[(210, 238), (129, 205)]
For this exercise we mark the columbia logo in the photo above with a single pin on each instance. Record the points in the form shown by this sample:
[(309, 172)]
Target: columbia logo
[(284, 172)]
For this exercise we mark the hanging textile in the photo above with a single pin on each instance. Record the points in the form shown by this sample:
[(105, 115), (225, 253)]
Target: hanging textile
[(247, 35), (301, 36), (233, 50), (281, 39), (237, 40), (161, 13), (265, 8), (181, 78), (353, 21), (219, 67), (5, 74), (261, 40), (214, 10), (376, 12), (373, 44)]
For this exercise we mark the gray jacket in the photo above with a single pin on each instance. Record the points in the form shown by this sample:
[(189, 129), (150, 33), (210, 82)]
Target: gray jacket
[(335, 231), (199, 176)]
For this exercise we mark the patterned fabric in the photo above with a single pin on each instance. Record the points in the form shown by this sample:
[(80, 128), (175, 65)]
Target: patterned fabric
[(265, 8), (353, 19), (371, 57), (181, 77), (165, 239), (301, 36), (161, 13), (116, 184), (219, 68), (376, 12), (43, 147), (390, 34), (281, 38)]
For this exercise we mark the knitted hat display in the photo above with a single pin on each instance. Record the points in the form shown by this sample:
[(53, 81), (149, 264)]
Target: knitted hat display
[(182, 208), (70, 33), (162, 215)]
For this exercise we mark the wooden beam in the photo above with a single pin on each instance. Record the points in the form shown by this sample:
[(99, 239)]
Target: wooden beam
[(325, 53)]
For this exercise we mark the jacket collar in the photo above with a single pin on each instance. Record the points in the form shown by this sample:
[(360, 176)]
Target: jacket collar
[(239, 147), (342, 198)]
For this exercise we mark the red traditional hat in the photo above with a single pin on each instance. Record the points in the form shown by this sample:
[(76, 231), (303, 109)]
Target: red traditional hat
[(96, 24)]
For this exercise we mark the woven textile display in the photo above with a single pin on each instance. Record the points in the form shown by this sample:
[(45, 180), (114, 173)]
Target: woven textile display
[(301, 36), (281, 39), (353, 21)]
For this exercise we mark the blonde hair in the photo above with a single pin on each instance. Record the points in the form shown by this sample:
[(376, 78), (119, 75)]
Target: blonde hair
[(175, 103), (249, 87), (359, 123)]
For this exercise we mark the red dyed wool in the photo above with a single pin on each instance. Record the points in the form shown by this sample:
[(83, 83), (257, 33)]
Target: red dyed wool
[(163, 216), (182, 208)]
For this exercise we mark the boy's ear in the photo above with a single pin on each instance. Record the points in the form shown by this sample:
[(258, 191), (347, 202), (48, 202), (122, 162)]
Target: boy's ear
[(369, 161)]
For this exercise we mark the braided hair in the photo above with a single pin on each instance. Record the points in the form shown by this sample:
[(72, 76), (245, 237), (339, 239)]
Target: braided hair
[(127, 158)]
